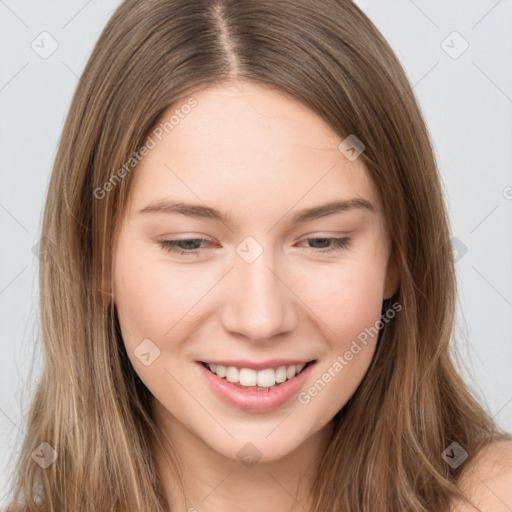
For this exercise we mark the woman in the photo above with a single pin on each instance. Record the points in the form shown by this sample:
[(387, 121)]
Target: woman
[(298, 357)]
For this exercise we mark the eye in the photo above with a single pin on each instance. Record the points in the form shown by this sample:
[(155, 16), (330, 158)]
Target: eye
[(174, 245), (189, 246), (338, 243)]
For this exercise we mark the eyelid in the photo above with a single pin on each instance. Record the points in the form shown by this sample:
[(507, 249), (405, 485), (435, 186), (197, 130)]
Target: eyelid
[(339, 244)]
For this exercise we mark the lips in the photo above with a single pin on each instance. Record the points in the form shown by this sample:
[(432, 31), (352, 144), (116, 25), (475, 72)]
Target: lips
[(254, 400)]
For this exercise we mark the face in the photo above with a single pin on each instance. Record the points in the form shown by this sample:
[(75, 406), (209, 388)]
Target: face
[(245, 277)]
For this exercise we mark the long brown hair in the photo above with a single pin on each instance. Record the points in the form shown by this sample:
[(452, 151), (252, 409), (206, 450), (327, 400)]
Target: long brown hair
[(91, 407)]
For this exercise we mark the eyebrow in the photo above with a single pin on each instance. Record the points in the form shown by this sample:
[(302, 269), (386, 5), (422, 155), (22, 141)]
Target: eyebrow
[(200, 211)]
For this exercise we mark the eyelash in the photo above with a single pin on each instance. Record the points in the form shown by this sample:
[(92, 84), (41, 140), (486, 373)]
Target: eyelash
[(171, 245)]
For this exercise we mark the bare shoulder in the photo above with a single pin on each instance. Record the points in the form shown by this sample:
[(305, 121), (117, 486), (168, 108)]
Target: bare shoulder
[(486, 480)]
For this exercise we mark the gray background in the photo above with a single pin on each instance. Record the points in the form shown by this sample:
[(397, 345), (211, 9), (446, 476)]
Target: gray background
[(467, 103)]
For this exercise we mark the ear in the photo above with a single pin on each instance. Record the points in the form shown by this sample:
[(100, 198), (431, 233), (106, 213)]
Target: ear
[(392, 280)]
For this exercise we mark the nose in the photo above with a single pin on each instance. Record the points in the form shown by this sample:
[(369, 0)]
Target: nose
[(260, 303)]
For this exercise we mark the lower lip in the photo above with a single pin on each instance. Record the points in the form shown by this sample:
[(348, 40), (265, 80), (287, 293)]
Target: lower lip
[(252, 400)]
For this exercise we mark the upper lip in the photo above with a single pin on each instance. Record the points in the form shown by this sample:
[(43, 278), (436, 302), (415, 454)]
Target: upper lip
[(271, 363)]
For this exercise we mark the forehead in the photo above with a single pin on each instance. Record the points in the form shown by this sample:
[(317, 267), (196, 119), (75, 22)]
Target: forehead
[(250, 146)]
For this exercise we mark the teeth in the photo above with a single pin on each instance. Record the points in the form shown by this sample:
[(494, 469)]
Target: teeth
[(248, 377), (281, 374), (266, 378), (232, 374)]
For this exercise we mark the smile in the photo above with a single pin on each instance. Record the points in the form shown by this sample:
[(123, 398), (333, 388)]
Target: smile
[(264, 379), (252, 397)]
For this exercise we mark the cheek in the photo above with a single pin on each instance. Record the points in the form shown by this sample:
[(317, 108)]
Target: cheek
[(138, 300), (347, 299), (349, 302), (151, 298), (141, 296)]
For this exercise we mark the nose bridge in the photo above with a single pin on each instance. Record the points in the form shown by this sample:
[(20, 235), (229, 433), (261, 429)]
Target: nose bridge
[(260, 304)]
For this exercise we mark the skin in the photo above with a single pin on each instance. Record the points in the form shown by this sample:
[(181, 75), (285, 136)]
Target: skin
[(259, 156), (486, 480)]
